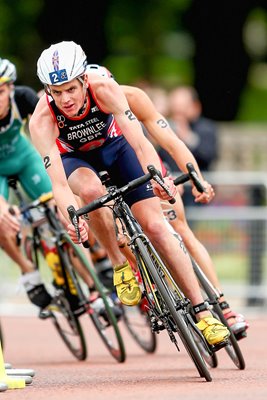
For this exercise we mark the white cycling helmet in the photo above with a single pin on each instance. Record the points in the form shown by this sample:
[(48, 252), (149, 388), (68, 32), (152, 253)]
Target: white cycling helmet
[(61, 63), (99, 70), (8, 72)]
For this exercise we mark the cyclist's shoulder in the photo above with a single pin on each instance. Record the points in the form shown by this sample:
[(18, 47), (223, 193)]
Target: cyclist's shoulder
[(133, 91), (26, 99)]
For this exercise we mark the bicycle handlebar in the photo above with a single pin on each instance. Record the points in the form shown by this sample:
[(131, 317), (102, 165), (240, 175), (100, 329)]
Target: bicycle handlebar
[(153, 173), (193, 176), (43, 199)]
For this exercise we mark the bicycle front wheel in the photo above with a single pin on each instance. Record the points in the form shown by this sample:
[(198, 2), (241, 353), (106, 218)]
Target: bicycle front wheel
[(177, 318), (105, 322)]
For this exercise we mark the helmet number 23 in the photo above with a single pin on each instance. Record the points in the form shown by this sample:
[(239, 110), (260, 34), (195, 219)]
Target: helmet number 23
[(58, 76)]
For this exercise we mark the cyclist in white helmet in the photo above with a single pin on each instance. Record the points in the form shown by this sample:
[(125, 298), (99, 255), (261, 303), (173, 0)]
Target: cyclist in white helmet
[(82, 125), (18, 157), (160, 131)]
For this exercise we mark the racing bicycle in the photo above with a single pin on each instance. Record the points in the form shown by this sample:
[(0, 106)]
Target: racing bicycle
[(167, 307), (71, 297)]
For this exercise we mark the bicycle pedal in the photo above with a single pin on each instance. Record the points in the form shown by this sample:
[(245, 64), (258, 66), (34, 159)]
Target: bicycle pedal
[(219, 346), (241, 335)]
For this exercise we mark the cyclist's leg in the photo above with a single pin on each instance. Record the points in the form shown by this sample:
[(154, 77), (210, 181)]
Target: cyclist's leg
[(85, 183), (201, 256), (35, 181), (99, 257), (30, 277), (149, 214)]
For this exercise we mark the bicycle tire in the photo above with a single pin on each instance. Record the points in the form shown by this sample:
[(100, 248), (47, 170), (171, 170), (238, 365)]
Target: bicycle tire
[(138, 325), (63, 318), (72, 333), (232, 349), (178, 316), (107, 327)]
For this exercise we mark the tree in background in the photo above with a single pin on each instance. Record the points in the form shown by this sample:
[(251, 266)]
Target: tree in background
[(19, 41), (83, 23), (221, 58), (202, 43)]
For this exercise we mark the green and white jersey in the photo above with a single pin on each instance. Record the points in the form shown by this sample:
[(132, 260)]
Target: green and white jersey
[(17, 154)]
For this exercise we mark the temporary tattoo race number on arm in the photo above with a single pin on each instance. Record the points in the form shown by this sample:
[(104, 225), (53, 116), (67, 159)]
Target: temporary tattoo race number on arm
[(162, 123), (130, 115), (47, 162)]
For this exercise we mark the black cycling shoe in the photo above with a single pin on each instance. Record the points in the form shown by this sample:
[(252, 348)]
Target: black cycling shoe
[(39, 296), (104, 271)]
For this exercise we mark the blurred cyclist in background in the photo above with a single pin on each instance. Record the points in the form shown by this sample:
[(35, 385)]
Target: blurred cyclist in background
[(18, 157)]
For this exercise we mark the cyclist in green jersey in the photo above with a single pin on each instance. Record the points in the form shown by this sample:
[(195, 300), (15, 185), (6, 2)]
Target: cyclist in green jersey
[(18, 157)]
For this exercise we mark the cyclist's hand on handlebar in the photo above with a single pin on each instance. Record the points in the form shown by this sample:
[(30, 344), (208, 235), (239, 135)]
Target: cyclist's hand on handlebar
[(83, 228), (160, 192), (206, 196)]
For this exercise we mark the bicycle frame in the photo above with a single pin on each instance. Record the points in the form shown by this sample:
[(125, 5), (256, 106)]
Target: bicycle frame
[(122, 211)]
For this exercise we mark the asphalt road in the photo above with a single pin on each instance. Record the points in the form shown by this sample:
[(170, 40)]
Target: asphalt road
[(166, 374)]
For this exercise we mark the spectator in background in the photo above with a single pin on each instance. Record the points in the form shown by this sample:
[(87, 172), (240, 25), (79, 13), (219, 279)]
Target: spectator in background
[(197, 132)]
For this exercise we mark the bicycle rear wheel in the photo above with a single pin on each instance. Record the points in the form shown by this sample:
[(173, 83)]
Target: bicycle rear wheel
[(105, 323), (177, 317), (232, 348), (138, 324)]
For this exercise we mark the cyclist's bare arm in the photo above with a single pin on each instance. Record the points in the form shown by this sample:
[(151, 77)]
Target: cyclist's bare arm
[(161, 132), (111, 99), (44, 132)]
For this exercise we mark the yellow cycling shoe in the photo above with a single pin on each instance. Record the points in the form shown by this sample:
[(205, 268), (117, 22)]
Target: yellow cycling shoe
[(213, 330), (126, 285)]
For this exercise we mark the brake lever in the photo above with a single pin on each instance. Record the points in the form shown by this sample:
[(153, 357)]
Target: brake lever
[(156, 175), (75, 222), (194, 177)]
